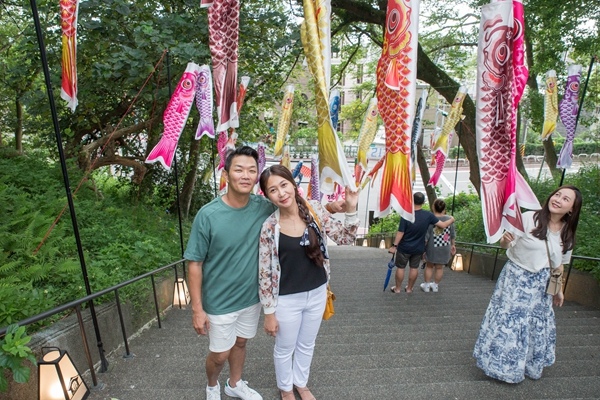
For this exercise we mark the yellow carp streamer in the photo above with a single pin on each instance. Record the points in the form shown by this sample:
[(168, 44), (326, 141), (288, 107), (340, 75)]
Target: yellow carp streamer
[(333, 166), (550, 105), (323, 12), (284, 120), (367, 135), (286, 160), (452, 119)]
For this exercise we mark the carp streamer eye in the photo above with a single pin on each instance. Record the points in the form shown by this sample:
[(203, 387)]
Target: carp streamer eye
[(187, 84), (393, 21), (574, 86)]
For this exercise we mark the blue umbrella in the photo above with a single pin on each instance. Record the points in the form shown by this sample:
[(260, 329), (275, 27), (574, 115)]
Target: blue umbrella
[(391, 266)]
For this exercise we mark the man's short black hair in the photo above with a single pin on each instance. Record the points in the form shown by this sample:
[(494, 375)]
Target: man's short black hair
[(240, 151), (419, 198)]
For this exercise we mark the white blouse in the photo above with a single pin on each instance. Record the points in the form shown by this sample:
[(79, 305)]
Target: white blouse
[(530, 253)]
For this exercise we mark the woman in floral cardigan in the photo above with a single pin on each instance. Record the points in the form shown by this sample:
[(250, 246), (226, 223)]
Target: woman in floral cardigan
[(293, 274)]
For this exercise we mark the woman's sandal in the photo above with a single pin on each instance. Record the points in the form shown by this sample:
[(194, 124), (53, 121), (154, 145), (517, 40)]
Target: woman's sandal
[(304, 393), (285, 395)]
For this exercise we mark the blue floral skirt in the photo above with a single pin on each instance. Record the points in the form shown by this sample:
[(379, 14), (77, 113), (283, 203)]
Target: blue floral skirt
[(517, 337)]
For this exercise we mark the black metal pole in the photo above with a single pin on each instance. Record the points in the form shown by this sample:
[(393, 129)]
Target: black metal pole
[(456, 168), (175, 168), (212, 156), (88, 290), (562, 178)]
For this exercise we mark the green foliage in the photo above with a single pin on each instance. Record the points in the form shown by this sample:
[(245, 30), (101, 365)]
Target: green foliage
[(13, 352), (587, 180), (469, 217), (387, 224), (39, 264)]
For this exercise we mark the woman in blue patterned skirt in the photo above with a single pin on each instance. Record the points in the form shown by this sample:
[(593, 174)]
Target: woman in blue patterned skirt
[(518, 333)]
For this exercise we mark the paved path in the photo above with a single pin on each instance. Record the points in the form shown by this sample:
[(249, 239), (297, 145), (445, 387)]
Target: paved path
[(378, 345)]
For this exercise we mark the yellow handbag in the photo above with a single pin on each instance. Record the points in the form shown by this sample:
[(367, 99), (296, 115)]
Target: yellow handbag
[(329, 310)]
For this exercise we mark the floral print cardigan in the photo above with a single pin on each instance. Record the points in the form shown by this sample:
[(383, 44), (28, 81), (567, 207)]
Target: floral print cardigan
[(269, 270)]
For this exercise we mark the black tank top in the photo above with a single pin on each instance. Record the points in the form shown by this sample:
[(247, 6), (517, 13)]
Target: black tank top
[(298, 272)]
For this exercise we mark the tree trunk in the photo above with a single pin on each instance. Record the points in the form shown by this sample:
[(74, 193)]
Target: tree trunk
[(428, 72), (424, 169), (189, 183), (519, 158), (551, 158), (19, 126)]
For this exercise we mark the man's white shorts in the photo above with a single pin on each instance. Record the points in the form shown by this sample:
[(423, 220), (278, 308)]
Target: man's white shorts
[(224, 329)]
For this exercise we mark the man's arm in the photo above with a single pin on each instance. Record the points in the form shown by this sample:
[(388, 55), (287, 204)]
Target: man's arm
[(199, 318), (397, 241), (445, 224)]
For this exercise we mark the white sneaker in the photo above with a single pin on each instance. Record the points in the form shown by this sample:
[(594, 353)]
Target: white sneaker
[(434, 287), (213, 393), (242, 391), (425, 286)]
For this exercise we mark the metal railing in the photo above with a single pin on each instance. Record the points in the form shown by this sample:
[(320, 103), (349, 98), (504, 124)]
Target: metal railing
[(498, 248), (377, 237), (76, 305)]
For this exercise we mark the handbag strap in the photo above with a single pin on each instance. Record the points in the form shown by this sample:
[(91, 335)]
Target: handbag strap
[(548, 254), (559, 269)]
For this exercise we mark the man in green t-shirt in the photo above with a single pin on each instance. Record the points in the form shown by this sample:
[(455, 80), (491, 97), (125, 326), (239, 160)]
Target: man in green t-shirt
[(222, 254)]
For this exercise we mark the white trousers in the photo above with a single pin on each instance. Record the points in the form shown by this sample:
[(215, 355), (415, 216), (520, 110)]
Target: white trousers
[(299, 316)]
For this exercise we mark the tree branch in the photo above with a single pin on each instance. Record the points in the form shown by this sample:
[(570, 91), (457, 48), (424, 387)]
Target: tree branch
[(120, 133)]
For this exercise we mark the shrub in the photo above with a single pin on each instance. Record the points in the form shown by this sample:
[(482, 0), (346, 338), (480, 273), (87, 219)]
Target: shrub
[(469, 217)]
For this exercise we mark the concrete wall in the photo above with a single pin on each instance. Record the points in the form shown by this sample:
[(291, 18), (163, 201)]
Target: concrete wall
[(66, 335)]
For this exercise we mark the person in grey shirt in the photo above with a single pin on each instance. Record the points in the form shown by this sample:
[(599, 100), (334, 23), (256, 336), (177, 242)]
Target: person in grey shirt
[(409, 244)]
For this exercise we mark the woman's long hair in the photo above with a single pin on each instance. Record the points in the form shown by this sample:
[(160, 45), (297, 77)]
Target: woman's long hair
[(313, 250), (541, 219)]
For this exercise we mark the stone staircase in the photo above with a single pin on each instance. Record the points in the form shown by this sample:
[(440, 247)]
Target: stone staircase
[(378, 345)]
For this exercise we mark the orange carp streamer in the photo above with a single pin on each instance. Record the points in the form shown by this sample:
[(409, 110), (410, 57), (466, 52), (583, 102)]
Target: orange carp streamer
[(396, 92), (68, 24)]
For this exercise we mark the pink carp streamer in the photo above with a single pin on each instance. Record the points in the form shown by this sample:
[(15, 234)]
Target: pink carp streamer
[(567, 109), (204, 104), (396, 92), (223, 30), (314, 32), (175, 117), (222, 148), (550, 105), (503, 189), (68, 24), (442, 144)]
